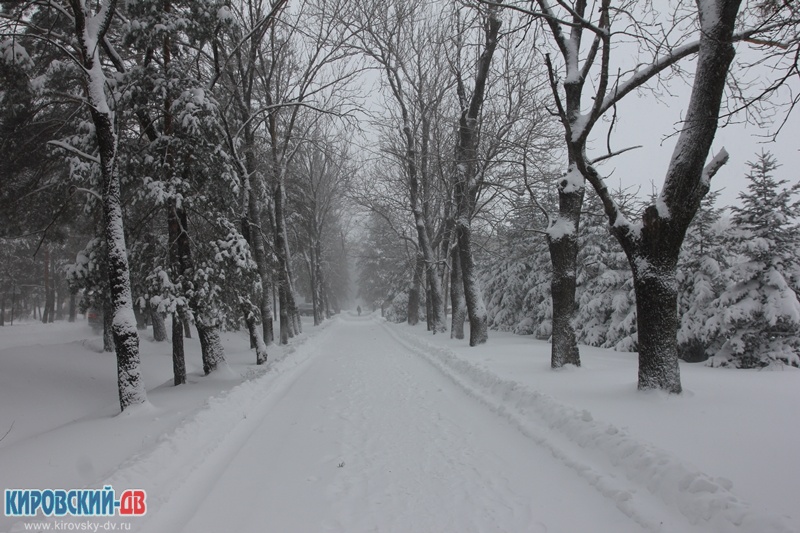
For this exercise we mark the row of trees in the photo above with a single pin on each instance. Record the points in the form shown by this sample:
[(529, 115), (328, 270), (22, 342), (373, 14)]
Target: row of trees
[(205, 162), (211, 158), (737, 279), (463, 83)]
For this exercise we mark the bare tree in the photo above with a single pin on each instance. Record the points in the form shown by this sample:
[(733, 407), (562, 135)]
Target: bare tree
[(398, 37), (652, 246), (303, 74), (466, 180), (661, 46), (321, 177)]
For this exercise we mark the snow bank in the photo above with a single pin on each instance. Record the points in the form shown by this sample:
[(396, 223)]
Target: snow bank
[(575, 438), (171, 463)]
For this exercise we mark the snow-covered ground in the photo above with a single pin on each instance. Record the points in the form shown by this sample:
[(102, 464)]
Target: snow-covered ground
[(362, 425)]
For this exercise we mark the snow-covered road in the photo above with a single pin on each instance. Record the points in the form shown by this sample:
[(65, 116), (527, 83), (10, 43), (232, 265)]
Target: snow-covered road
[(367, 436)]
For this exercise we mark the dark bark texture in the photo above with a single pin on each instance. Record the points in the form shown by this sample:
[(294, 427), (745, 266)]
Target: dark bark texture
[(465, 177), (564, 256), (653, 248), (457, 301)]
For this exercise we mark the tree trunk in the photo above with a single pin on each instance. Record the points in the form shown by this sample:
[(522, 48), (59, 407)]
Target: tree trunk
[(438, 321), (413, 292), (255, 336), (283, 312), (316, 304), (457, 301), (46, 312), (141, 318), (319, 306), (50, 296), (211, 347), (73, 306), (159, 328), (428, 311), (178, 355), (476, 310), (564, 257), (108, 325), (3, 310), (466, 180), (255, 236), (126, 339), (178, 268), (288, 307), (61, 286), (657, 322), (327, 301)]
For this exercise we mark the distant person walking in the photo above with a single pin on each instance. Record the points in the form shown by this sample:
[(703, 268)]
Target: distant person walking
[(359, 310)]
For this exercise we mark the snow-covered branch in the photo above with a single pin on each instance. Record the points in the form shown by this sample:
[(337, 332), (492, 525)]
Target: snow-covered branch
[(71, 149), (713, 166)]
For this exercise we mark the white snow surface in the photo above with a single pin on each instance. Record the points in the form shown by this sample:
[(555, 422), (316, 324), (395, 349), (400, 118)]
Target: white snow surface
[(361, 425)]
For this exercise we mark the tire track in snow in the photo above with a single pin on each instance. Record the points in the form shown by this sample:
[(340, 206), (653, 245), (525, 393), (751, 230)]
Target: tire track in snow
[(380, 448), (416, 454), (182, 462), (641, 480)]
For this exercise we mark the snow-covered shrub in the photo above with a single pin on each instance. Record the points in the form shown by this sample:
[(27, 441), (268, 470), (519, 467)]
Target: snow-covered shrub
[(397, 310)]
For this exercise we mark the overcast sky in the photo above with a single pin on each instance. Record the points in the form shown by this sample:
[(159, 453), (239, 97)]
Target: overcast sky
[(643, 119)]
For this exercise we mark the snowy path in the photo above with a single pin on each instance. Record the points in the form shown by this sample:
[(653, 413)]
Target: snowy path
[(367, 436)]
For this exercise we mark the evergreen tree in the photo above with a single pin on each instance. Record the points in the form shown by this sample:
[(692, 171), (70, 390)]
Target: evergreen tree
[(758, 315), (703, 261), (383, 268), (606, 313), (517, 286)]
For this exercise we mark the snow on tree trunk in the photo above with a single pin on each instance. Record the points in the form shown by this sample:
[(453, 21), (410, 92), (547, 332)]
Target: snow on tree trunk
[(159, 328), (438, 320), (126, 338), (657, 322), (562, 239), (251, 229), (476, 310), (457, 302), (178, 355), (319, 306), (465, 179), (211, 347), (179, 264), (288, 308), (414, 292), (653, 246), (255, 337)]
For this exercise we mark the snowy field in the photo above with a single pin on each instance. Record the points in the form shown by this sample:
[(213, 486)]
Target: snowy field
[(361, 425)]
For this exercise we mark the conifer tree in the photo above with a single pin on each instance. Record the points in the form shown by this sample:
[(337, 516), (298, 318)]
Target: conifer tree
[(704, 258), (757, 316)]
